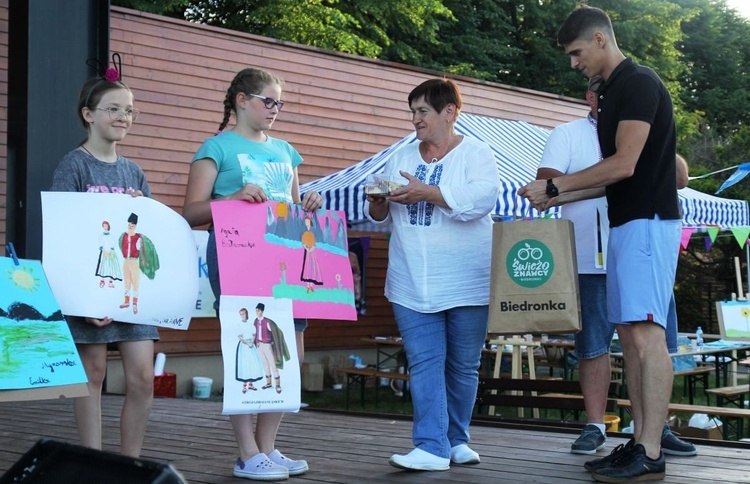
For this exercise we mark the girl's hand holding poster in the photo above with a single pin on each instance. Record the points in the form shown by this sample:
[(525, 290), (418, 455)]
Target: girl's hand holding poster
[(278, 250)]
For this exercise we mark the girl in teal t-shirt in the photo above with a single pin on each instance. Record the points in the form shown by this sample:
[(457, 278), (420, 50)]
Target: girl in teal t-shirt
[(245, 163)]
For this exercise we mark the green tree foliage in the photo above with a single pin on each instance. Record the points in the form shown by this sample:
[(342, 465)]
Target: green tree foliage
[(382, 29), (716, 46), (474, 42), (700, 48), (716, 49)]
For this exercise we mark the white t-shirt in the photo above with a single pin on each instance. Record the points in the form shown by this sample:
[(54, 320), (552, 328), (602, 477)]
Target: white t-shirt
[(572, 147), (440, 258)]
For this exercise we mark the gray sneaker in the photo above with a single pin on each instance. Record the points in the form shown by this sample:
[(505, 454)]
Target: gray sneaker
[(672, 445), (590, 442)]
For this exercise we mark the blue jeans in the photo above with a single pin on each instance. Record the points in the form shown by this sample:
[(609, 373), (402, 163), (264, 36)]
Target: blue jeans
[(671, 329), (212, 261), (443, 350), (596, 333)]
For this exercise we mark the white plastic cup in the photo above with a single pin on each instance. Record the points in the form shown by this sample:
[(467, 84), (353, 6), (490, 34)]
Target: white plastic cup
[(161, 358), (202, 386)]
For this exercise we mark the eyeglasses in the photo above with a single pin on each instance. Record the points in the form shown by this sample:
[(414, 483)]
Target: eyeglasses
[(269, 102), (117, 113)]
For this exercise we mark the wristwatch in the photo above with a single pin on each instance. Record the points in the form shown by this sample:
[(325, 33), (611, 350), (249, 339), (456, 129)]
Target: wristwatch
[(552, 190)]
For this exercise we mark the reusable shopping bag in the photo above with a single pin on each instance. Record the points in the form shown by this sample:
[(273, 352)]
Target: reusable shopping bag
[(534, 278)]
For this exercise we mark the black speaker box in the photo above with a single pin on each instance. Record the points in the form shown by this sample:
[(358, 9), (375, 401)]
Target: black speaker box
[(50, 462)]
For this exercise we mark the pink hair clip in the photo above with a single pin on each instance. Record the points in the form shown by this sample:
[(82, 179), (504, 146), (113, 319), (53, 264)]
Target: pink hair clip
[(111, 74)]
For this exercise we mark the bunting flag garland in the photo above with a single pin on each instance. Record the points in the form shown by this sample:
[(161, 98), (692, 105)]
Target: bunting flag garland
[(741, 234), (713, 232), (686, 233), (742, 171)]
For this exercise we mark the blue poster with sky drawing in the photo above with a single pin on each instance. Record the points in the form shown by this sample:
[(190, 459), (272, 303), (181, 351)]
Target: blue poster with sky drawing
[(36, 348)]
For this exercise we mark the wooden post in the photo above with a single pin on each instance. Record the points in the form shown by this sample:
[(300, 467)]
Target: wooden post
[(515, 342)]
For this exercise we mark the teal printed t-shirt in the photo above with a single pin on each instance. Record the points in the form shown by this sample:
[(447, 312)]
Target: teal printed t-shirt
[(269, 165)]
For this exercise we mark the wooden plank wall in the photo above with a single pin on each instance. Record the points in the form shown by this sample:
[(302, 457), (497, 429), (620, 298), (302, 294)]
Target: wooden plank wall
[(340, 110), (3, 121)]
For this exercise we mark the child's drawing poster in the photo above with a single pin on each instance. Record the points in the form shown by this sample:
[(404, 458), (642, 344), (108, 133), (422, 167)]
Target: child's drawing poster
[(36, 348), (277, 249), (259, 348), (204, 306), (112, 255), (734, 319)]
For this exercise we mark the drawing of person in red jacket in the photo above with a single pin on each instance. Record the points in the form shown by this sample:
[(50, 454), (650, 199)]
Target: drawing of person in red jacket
[(269, 339), (139, 255)]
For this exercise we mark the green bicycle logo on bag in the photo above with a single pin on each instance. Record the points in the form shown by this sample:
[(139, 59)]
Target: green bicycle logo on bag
[(530, 263)]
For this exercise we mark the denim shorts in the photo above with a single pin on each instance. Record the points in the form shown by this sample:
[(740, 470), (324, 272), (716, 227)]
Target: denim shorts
[(671, 328), (596, 332), (641, 266), (212, 260)]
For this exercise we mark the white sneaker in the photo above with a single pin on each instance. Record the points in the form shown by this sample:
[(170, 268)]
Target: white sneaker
[(420, 460), (462, 454), (260, 468), (296, 467)]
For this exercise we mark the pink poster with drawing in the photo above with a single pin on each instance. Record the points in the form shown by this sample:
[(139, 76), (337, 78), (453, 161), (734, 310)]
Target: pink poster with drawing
[(277, 249)]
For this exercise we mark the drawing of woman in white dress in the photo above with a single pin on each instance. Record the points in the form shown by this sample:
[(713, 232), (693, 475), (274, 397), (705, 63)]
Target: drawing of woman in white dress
[(108, 267), (248, 367)]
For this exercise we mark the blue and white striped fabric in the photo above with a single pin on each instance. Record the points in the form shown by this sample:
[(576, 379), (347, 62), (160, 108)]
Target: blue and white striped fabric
[(518, 147), (700, 209)]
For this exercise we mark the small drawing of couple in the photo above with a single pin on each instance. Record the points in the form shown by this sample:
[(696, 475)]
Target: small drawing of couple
[(261, 350)]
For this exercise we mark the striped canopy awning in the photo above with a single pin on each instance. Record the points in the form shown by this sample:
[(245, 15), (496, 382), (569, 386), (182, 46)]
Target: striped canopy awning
[(518, 147), (700, 209)]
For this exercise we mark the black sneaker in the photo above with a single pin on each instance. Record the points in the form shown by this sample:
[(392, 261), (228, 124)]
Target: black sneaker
[(671, 445), (632, 467), (590, 442), (617, 452)]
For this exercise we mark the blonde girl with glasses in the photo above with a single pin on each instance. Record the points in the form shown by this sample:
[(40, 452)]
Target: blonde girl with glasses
[(105, 108), (245, 163)]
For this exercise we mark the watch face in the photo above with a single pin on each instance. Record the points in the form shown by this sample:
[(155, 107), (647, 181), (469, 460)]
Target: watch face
[(551, 189)]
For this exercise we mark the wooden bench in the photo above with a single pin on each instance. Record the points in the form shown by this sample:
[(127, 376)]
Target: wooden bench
[(732, 394), (359, 376), (731, 417), (563, 395), (690, 375)]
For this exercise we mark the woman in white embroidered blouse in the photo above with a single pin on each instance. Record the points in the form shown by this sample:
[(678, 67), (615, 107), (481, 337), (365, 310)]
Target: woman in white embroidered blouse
[(439, 270)]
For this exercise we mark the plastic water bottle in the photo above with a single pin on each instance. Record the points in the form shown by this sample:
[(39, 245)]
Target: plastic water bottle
[(699, 338)]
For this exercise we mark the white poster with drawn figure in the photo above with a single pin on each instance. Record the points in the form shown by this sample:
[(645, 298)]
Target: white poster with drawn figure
[(128, 258), (734, 319), (259, 348), (204, 305)]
